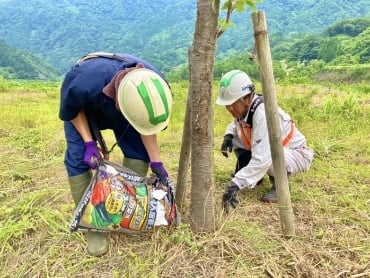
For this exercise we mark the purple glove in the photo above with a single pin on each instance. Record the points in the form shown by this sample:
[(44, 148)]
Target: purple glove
[(91, 154), (160, 171)]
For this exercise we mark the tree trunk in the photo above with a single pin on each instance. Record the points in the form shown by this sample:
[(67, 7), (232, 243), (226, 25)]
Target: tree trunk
[(273, 124), (201, 63)]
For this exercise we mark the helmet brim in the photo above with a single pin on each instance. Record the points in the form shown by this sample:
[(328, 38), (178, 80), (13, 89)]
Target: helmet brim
[(150, 131), (224, 102)]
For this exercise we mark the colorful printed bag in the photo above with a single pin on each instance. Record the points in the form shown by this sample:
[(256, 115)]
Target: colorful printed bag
[(118, 199)]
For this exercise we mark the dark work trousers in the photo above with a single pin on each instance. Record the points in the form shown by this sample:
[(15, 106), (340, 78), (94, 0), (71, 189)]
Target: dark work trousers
[(243, 156)]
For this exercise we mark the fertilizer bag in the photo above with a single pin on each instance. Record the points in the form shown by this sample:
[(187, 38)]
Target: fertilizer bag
[(118, 199)]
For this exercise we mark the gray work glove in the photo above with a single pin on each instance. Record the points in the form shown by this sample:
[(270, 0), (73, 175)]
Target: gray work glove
[(227, 145), (229, 197)]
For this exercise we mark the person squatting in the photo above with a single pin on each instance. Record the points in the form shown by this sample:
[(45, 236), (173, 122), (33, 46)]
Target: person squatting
[(248, 136)]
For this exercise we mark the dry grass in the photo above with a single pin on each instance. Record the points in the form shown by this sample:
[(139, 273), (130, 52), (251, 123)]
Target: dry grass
[(331, 203)]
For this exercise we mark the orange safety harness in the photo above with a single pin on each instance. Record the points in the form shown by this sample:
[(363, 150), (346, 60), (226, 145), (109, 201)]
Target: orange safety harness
[(246, 127)]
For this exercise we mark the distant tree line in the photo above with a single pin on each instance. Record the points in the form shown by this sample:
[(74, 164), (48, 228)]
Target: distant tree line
[(159, 31), (344, 43), (18, 64)]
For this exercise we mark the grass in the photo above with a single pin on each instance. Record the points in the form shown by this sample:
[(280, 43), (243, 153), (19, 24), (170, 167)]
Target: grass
[(331, 202)]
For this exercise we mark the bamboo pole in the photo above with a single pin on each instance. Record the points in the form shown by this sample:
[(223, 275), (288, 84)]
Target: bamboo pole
[(273, 124)]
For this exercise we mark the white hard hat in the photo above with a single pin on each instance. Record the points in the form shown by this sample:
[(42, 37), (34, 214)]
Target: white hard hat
[(145, 100), (233, 85)]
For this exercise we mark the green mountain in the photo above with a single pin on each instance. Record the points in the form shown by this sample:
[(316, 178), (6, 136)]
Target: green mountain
[(345, 42), (161, 31), (18, 64)]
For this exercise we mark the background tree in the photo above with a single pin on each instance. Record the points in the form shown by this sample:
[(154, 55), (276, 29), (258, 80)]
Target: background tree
[(328, 49), (350, 27), (306, 49)]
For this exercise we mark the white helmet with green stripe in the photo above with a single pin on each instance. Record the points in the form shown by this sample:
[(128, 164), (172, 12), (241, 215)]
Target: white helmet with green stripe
[(145, 100), (234, 85)]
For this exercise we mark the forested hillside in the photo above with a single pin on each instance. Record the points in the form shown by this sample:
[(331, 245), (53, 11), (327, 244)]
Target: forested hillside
[(345, 42), (161, 31), (18, 64), (341, 53)]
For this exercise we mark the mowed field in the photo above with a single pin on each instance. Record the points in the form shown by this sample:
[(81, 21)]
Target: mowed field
[(331, 202)]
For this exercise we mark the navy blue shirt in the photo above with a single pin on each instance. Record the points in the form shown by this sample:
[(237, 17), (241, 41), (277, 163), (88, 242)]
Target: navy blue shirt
[(83, 85)]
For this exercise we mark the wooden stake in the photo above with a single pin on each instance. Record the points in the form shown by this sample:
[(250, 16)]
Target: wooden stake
[(273, 124)]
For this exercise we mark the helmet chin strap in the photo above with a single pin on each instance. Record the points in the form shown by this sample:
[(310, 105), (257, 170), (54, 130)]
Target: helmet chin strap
[(252, 94)]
